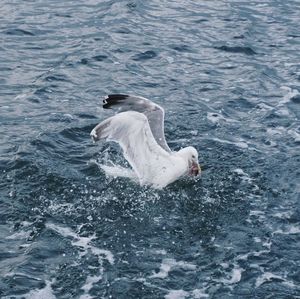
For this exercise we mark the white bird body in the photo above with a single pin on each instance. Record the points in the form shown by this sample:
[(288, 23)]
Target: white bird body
[(152, 164)]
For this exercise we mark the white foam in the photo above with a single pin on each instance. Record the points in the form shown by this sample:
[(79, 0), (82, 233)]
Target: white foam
[(102, 252), (289, 95), (240, 144), (276, 131), (283, 215), (244, 176), (266, 277), (64, 231), (177, 294), (25, 223), (217, 118), (170, 59), (198, 294), (224, 265), (83, 243), (59, 208), (243, 257), (181, 294), (90, 280), (19, 235), (159, 251), (283, 111), (236, 275), (294, 134), (264, 107), (257, 213), (23, 96), (267, 244), (14, 273), (44, 293), (169, 264), (291, 230), (69, 115)]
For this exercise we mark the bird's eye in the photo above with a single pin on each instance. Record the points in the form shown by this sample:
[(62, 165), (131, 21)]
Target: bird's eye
[(193, 156)]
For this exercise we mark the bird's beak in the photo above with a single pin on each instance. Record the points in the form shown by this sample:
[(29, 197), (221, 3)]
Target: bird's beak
[(195, 169)]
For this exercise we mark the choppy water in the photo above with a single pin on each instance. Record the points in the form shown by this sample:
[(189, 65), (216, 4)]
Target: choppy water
[(227, 74)]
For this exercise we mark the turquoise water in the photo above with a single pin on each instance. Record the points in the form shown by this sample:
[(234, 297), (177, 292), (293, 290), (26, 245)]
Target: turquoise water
[(227, 74)]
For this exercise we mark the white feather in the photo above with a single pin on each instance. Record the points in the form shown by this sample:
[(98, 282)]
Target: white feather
[(152, 164)]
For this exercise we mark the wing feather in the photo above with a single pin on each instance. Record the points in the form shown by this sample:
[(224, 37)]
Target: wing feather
[(132, 131), (154, 113)]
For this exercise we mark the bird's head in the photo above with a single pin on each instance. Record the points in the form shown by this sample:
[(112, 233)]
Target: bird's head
[(191, 155)]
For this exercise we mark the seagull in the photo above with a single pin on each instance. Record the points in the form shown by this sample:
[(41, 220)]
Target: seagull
[(138, 128)]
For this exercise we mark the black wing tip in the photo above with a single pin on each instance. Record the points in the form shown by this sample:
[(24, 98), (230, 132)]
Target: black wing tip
[(113, 99)]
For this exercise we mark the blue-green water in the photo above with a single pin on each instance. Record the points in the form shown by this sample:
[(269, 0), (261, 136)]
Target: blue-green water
[(227, 74)]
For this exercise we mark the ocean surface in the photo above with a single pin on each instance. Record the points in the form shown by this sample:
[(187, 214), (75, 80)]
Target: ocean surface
[(228, 76)]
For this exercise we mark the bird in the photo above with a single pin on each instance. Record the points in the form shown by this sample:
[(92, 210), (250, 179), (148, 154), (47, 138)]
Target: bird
[(138, 128)]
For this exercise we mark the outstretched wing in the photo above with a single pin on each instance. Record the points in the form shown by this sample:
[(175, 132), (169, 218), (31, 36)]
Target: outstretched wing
[(154, 113), (132, 131)]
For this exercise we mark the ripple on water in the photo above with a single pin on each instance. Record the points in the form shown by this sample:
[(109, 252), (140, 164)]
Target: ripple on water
[(228, 78), (144, 56), (237, 49), (18, 31)]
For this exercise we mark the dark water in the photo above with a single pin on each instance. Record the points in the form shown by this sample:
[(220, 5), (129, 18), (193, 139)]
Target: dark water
[(227, 74)]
